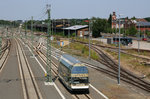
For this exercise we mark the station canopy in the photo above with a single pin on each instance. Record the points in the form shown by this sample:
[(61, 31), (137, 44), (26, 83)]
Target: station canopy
[(76, 27)]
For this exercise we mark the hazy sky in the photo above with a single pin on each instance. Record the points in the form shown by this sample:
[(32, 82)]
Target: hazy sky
[(24, 9)]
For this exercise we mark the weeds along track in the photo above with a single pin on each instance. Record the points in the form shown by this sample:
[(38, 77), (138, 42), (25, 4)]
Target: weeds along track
[(123, 50), (30, 88), (126, 75)]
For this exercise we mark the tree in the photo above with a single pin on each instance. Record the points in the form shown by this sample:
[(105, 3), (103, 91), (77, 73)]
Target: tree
[(99, 25), (132, 31), (133, 18), (147, 19), (110, 21)]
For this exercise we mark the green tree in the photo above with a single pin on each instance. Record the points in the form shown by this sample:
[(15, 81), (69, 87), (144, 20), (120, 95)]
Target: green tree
[(132, 31), (110, 21), (147, 19), (99, 25), (133, 18)]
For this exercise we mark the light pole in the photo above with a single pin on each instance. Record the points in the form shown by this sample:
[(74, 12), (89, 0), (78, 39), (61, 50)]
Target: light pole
[(89, 39), (52, 27), (32, 36), (68, 32), (48, 54), (63, 29), (0, 46), (119, 54), (139, 39), (26, 30)]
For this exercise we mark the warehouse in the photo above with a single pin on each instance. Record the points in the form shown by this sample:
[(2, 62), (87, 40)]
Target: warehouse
[(78, 30)]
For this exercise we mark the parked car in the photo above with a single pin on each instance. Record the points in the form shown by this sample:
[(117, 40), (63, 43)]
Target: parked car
[(144, 39)]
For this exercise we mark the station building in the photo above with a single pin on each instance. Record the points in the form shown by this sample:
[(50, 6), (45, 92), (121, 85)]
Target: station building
[(143, 26), (126, 23), (79, 30)]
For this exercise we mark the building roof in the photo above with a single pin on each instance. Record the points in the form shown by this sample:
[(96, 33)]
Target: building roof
[(141, 20), (143, 23), (76, 27)]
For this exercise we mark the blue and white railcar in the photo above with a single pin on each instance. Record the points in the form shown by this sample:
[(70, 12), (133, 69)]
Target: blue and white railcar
[(73, 73)]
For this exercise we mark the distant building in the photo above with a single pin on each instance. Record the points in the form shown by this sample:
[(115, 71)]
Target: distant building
[(79, 30), (115, 21), (143, 26), (127, 23)]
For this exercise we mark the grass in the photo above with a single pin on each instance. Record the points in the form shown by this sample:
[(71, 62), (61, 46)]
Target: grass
[(127, 61), (132, 63), (144, 53), (81, 50), (78, 49)]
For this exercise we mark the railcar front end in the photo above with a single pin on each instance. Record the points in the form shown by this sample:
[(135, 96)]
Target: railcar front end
[(79, 78)]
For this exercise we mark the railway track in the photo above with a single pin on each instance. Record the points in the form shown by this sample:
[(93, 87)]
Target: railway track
[(123, 50), (5, 46), (30, 88), (4, 54), (43, 57), (78, 96), (125, 75)]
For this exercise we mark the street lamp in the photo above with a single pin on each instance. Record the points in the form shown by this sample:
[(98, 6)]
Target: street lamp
[(139, 39), (90, 35), (119, 54), (89, 39)]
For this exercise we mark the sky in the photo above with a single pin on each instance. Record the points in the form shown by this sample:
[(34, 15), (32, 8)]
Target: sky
[(24, 9)]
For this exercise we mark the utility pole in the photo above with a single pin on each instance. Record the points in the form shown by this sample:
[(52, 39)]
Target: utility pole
[(89, 39), (55, 26), (52, 27), (7, 31), (26, 30), (68, 33), (119, 55), (68, 29), (63, 28), (75, 30), (48, 54), (139, 39), (0, 46), (32, 35)]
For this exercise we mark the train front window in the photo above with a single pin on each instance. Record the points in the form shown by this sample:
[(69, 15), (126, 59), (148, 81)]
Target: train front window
[(80, 70), (77, 80)]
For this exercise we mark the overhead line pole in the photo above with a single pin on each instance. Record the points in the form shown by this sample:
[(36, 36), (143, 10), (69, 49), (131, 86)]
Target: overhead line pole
[(119, 55), (0, 45), (139, 39), (26, 30), (89, 40), (63, 28), (32, 36), (48, 54)]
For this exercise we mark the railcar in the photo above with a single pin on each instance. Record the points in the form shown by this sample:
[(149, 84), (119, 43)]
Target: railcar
[(123, 40), (73, 74)]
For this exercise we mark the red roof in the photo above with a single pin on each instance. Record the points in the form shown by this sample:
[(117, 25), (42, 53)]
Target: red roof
[(141, 20), (86, 20)]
